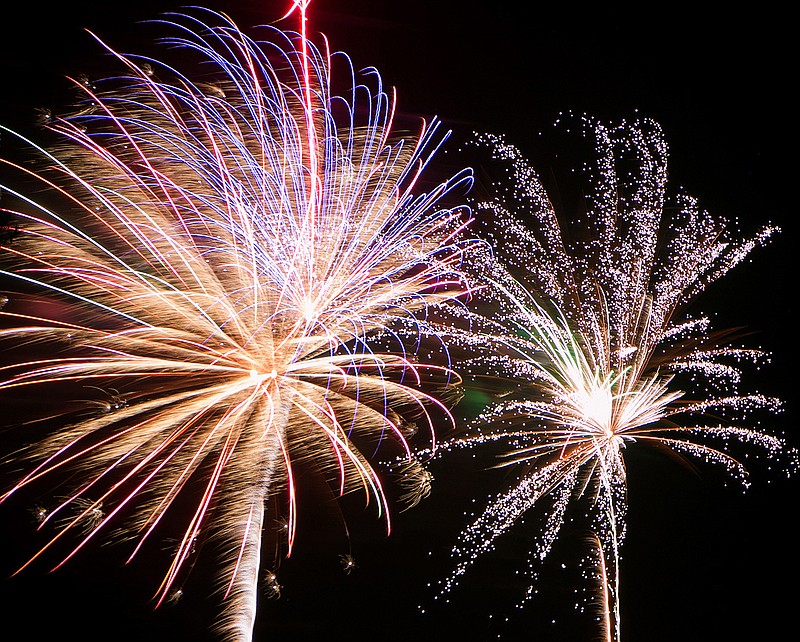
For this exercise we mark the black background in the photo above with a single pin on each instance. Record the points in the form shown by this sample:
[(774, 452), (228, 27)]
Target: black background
[(702, 560)]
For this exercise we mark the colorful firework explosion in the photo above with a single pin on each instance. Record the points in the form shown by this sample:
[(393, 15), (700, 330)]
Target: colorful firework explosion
[(587, 345), (230, 251)]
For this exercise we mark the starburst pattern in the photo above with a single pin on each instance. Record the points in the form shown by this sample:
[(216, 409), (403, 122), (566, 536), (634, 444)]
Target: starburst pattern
[(589, 349), (231, 251)]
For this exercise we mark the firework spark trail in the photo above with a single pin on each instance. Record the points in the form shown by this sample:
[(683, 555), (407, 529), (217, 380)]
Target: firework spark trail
[(231, 252), (588, 344)]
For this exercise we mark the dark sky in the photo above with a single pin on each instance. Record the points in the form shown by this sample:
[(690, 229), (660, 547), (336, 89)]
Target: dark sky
[(702, 561)]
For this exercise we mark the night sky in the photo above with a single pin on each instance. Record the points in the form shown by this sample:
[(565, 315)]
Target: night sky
[(702, 560)]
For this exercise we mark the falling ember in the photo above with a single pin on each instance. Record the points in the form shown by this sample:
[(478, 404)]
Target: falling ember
[(232, 252), (583, 335)]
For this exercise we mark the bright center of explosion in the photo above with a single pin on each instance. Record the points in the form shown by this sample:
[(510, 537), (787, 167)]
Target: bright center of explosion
[(595, 407), (310, 312)]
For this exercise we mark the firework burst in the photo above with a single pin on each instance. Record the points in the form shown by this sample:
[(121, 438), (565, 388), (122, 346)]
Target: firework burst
[(231, 251), (587, 345)]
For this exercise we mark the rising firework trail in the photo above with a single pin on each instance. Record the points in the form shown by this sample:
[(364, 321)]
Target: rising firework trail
[(231, 248), (589, 349)]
